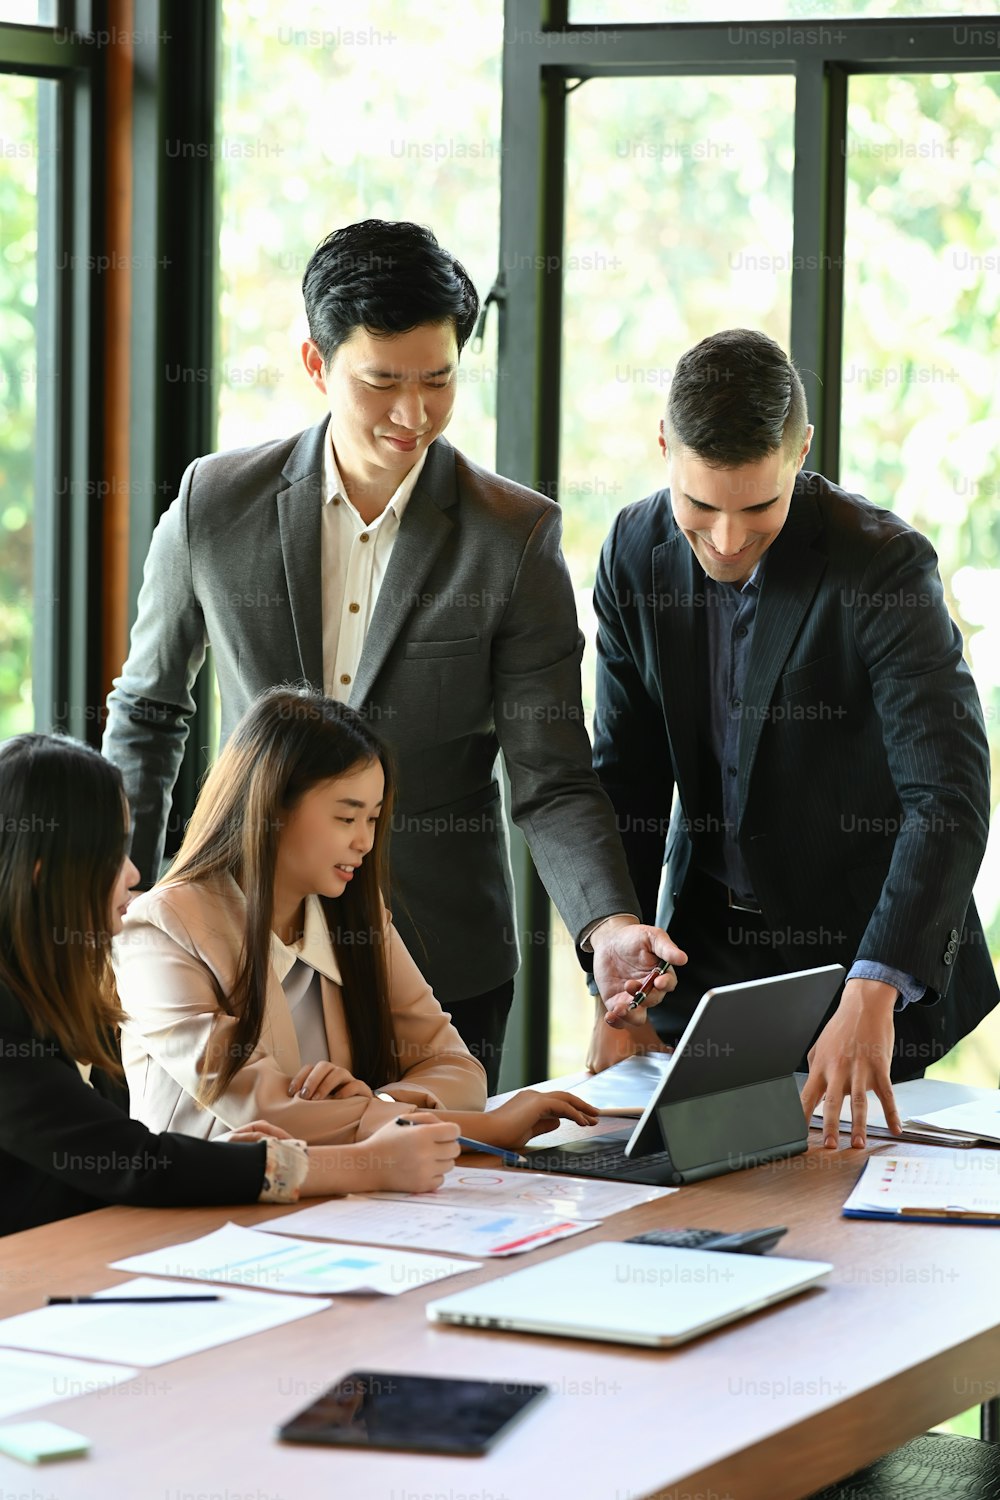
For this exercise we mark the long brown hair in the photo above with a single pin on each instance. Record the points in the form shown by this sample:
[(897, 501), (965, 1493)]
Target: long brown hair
[(63, 836), (287, 742)]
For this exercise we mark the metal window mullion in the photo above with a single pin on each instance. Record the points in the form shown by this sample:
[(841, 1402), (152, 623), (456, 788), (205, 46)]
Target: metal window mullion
[(51, 477), (533, 131), (818, 211)]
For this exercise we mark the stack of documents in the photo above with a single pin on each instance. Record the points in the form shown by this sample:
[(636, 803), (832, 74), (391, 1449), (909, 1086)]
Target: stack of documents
[(962, 1189), (924, 1104), (977, 1118)]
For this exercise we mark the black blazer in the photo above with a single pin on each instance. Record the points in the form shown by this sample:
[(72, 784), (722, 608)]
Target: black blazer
[(66, 1148), (863, 776)]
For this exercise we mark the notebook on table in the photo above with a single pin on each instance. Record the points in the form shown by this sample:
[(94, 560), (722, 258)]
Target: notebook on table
[(727, 1097), (928, 1189), (630, 1294)]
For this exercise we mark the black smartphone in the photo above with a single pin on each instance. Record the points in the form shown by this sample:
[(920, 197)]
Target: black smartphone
[(426, 1413)]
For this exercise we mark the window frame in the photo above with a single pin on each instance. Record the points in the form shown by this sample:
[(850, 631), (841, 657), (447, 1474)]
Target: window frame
[(546, 58)]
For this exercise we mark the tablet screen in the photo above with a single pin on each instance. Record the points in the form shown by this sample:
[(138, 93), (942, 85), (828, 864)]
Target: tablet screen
[(382, 1409)]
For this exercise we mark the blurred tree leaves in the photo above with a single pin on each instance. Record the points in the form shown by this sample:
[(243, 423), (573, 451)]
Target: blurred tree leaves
[(18, 389)]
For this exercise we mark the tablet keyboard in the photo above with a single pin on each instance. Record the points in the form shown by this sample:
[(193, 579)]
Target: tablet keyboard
[(607, 1161)]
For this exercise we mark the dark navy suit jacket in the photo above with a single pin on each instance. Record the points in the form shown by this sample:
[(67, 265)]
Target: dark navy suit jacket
[(863, 775)]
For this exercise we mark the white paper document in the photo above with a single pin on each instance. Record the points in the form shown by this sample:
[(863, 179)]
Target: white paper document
[(29, 1380), (627, 1086), (976, 1117), (150, 1333), (428, 1226), (246, 1257), (950, 1185), (585, 1199)]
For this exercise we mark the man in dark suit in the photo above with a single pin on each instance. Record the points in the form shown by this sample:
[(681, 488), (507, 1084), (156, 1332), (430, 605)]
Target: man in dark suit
[(371, 560), (780, 652)]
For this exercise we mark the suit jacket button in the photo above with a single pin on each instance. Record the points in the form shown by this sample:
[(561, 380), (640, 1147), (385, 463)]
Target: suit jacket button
[(948, 957), (953, 934)]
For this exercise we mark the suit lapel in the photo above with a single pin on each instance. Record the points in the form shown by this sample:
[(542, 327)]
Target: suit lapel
[(423, 531), (675, 587), (791, 576), (299, 511)]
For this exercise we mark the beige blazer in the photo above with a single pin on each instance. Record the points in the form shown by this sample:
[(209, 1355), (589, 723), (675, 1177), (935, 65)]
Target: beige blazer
[(175, 960)]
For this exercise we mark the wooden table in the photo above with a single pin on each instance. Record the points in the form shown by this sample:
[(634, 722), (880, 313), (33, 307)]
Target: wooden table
[(905, 1333)]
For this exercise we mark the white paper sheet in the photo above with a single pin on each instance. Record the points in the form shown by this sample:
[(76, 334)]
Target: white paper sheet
[(627, 1086), (585, 1199), (29, 1380), (978, 1117), (246, 1257), (411, 1222), (151, 1334)]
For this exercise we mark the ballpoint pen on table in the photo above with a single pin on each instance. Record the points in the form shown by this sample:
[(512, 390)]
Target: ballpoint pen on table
[(73, 1301)]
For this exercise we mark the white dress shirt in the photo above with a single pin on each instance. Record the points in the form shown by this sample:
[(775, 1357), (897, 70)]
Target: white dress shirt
[(298, 966), (355, 556)]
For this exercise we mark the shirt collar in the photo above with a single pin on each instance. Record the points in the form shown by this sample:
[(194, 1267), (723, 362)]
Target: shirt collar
[(333, 484), (754, 579), (314, 948)]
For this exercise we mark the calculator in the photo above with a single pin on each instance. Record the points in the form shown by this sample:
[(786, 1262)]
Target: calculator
[(742, 1242)]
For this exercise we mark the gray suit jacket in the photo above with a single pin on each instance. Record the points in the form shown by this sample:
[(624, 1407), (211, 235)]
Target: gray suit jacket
[(473, 646)]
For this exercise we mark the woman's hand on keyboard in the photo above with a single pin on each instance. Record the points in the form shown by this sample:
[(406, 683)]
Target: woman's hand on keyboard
[(529, 1113)]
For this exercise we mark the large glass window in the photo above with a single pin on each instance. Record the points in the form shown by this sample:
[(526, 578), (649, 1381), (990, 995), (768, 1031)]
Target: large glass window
[(921, 381), (329, 117), (804, 16), (27, 12), (678, 223), (19, 164)]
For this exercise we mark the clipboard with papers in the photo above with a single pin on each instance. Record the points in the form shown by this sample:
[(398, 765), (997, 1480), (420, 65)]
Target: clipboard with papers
[(951, 1188)]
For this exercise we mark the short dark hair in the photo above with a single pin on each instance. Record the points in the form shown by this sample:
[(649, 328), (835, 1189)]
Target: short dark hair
[(735, 398), (387, 278)]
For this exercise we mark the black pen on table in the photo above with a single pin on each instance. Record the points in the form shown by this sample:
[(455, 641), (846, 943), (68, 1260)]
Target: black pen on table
[(98, 1300), (509, 1158), (647, 983)]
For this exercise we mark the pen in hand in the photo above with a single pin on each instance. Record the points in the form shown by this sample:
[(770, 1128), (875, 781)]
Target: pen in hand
[(647, 983), (509, 1158)]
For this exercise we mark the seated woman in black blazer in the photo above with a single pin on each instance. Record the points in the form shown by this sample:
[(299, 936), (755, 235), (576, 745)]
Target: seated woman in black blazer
[(67, 1143)]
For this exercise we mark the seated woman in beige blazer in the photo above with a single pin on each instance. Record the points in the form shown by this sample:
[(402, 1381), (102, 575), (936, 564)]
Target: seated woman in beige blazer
[(263, 978), (67, 1143)]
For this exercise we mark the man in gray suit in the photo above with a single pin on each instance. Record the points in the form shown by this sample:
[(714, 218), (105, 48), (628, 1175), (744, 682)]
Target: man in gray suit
[(780, 652), (370, 559)]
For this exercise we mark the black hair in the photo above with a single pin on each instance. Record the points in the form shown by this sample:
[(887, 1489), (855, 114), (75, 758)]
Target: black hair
[(63, 837), (386, 278), (735, 398)]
